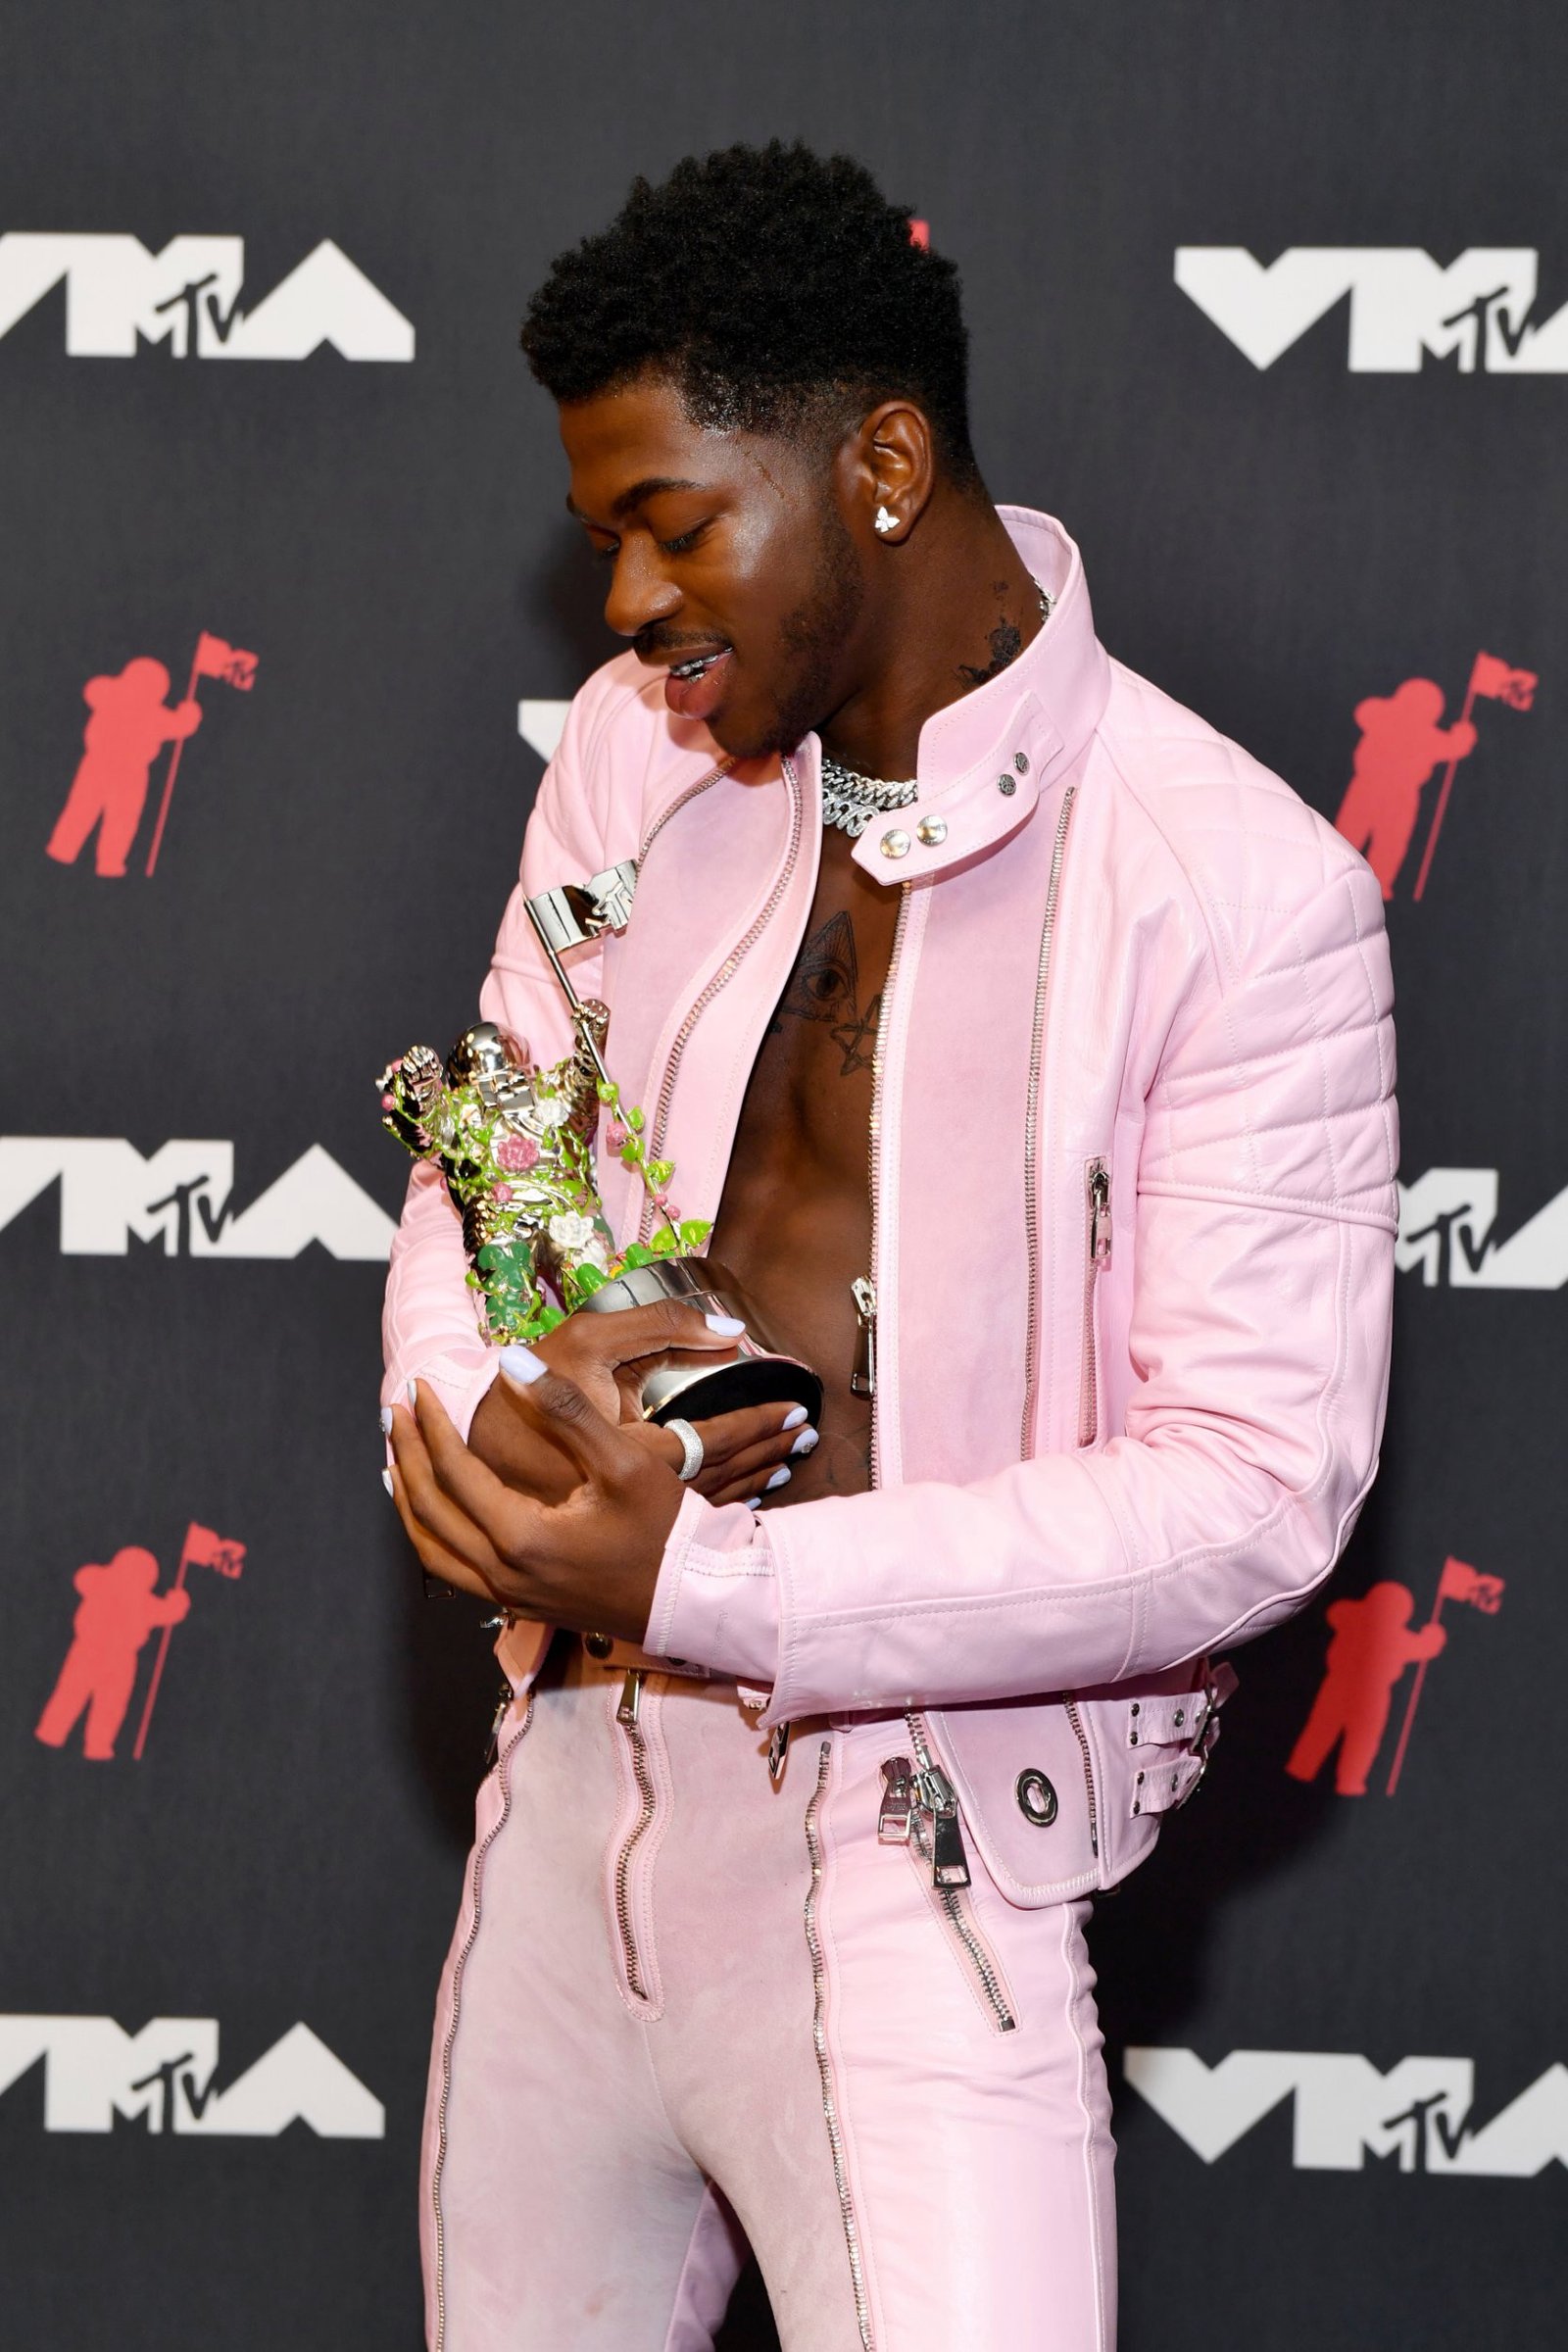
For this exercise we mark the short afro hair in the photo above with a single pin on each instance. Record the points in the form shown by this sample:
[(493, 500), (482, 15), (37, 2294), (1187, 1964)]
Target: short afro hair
[(778, 289)]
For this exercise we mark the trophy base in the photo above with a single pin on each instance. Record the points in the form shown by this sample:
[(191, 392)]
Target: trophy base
[(694, 1388)]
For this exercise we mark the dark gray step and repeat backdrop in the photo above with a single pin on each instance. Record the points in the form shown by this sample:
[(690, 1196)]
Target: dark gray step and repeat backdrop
[(1270, 304)]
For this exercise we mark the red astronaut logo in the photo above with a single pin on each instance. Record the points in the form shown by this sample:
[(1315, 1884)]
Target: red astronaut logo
[(120, 1609), (1403, 742), (1373, 1642), (131, 722)]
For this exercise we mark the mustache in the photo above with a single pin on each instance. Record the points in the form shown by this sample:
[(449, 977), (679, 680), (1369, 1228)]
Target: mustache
[(655, 643)]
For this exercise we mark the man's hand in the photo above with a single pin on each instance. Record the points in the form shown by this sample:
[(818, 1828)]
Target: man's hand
[(588, 1561), (607, 1357)]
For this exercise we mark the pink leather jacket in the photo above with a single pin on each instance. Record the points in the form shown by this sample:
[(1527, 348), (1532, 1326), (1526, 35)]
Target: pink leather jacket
[(1133, 1184)]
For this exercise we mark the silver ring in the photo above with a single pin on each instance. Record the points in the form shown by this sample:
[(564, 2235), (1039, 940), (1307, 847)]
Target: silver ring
[(691, 1448)]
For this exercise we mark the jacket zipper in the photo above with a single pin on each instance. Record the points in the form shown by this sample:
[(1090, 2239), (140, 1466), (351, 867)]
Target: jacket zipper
[(459, 1967), (934, 1801), (721, 978), (1031, 1124), (862, 1380), (628, 1714), (676, 805), (1031, 1178), (824, 2063), (1097, 1257), (920, 1810)]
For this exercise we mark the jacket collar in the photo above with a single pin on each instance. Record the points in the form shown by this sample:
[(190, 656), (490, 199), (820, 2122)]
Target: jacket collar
[(984, 760)]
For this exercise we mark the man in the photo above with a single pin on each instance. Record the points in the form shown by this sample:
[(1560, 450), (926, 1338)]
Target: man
[(1030, 1047)]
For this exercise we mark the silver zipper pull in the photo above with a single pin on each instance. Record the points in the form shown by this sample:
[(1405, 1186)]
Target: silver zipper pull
[(778, 1748), (631, 1700), (862, 1380), (499, 1718), (1098, 1216), (950, 1864), (898, 1800)]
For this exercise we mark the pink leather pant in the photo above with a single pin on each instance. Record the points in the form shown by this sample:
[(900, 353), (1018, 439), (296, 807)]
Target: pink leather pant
[(686, 2009)]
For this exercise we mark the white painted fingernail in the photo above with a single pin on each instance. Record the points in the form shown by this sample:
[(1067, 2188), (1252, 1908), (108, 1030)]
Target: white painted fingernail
[(805, 1441), (730, 1326), (780, 1477), (413, 1394), (522, 1366), (386, 1420), (794, 1417), (755, 1499), (386, 1480)]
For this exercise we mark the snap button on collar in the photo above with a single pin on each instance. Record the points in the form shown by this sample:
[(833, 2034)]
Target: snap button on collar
[(1007, 786), (895, 844), (931, 830)]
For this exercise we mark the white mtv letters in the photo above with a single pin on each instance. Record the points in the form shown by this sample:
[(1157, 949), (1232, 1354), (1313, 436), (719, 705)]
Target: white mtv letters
[(1448, 1227), (1418, 2112), (181, 1195), (164, 2075), (1402, 305), (118, 295)]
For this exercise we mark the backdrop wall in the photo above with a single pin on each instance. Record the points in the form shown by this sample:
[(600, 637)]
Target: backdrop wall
[(263, 424)]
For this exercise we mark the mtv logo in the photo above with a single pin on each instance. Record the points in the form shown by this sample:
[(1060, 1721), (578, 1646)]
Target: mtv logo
[(1403, 305), (165, 2078), (1448, 1227), (119, 296), (181, 1196), (1345, 2110), (542, 725)]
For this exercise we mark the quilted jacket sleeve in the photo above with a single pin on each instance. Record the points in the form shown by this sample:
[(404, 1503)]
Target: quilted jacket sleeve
[(1260, 1337), (429, 1327)]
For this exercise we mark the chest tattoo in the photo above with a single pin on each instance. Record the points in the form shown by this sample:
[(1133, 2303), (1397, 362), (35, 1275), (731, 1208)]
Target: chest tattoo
[(825, 986)]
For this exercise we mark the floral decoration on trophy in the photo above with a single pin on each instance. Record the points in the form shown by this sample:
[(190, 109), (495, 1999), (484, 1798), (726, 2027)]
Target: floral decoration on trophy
[(515, 1141)]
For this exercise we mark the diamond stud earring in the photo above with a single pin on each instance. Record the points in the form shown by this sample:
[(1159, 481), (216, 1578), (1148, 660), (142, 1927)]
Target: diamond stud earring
[(886, 521)]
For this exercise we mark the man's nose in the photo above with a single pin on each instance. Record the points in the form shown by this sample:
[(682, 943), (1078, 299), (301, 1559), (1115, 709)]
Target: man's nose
[(639, 591)]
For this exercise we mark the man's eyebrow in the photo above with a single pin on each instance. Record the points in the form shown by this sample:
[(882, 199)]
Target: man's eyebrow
[(640, 492)]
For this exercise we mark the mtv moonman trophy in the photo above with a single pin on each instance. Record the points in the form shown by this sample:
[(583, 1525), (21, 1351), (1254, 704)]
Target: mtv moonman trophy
[(515, 1142)]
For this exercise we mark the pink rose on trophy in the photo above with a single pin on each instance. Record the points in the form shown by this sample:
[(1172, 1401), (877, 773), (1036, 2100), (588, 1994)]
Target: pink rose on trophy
[(517, 1153)]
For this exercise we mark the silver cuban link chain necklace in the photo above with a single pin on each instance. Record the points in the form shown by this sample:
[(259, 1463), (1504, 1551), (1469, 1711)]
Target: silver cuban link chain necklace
[(849, 800)]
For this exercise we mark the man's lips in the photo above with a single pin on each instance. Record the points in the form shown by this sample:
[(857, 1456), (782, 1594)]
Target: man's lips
[(694, 685)]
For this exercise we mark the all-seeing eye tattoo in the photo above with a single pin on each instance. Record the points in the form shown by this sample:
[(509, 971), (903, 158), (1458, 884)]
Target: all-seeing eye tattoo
[(825, 986)]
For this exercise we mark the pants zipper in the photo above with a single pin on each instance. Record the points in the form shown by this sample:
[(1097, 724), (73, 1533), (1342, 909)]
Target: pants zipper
[(481, 1854), (628, 1714), (824, 2063), (1096, 1257)]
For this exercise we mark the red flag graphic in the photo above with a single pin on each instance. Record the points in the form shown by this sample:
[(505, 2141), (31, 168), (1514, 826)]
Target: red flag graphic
[(1460, 1581), (215, 658), (205, 1548), (1500, 684)]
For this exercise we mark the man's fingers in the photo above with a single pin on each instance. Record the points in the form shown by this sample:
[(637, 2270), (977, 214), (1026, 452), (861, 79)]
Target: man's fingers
[(433, 1506), (727, 1434), (626, 1333), (566, 1416), (435, 1555)]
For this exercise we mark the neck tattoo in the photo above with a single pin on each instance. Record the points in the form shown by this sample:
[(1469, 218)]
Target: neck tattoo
[(850, 799)]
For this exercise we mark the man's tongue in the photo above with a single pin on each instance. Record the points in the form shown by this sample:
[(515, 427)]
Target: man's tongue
[(701, 695)]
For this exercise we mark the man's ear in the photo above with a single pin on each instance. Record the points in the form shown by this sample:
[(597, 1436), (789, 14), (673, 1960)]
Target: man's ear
[(890, 463)]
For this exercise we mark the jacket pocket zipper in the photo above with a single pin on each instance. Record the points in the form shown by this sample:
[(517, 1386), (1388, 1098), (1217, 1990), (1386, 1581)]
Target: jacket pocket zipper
[(628, 1714), (920, 1810), (1096, 1257), (1075, 1718)]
